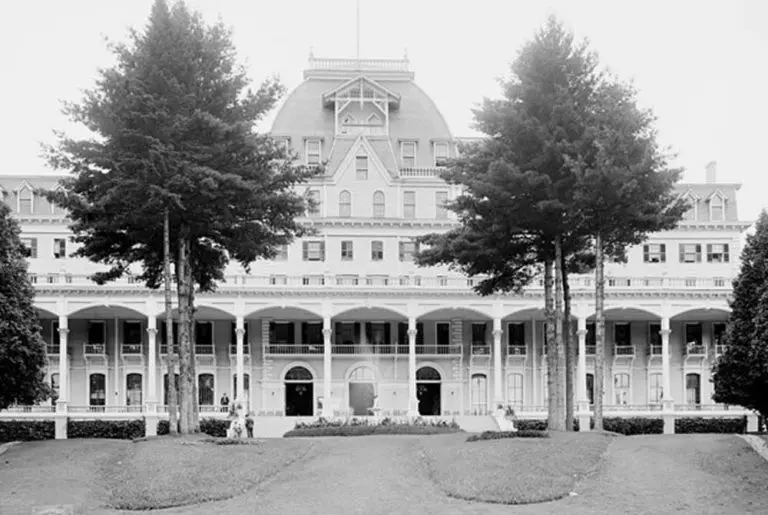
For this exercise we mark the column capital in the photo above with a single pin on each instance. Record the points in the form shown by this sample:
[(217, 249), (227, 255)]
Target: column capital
[(581, 333), (412, 332), (240, 331), (665, 323), (152, 331), (63, 331), (327, 331), (497, 333), (665, 332)]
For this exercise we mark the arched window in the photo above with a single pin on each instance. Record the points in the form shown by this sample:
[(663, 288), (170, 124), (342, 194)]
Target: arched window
[(379, 209), (717, 208), (479, 393), (54, 388), (25, 200), (133, 388), (362, 375), (345, 204), (298, 374), (427, 374), (515, 389), (205, 390), (98, 392)]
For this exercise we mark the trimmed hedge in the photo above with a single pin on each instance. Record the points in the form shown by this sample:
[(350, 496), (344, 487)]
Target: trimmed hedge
[(366, 430), (211, 426), (117, 429), (497, 435), (27, 430), (710, 425)]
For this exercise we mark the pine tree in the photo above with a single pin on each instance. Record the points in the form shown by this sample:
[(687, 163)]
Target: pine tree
[(740, 375)]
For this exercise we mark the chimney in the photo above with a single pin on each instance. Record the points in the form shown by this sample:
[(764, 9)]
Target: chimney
[(711, 174)]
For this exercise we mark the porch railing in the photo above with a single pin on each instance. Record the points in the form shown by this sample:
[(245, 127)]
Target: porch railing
[(516, 350), (205, 350), (95, 348), (295, 349), (233, 349), (481, 350), (719, 349), (695, 349), (624, 350), (52, 349), (656, 350), (131, 348)]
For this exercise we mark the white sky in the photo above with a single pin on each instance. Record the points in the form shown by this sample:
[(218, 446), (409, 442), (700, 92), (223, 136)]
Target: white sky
[(701, 65)]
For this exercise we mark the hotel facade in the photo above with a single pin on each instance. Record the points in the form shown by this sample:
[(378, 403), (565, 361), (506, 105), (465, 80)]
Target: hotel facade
[(344, 323)]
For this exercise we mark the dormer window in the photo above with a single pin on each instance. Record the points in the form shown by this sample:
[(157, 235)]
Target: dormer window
[(717, 207), (440, 153), (313, 152), (408, 154), (361, 165), (25, 200), (693, 207)]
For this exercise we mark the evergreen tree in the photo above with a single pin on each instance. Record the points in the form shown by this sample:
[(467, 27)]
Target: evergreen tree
[(740, 375), (174, 123), (22, 349)]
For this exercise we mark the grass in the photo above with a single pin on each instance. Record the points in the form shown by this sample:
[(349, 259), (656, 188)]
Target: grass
[(514, 470), (171, 471)]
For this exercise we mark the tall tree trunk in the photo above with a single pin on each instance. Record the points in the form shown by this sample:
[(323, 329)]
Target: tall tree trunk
[(171, 356), (549, 314), (599, 331), (570, 349), (193, 337), (559, 346), (185, 370)]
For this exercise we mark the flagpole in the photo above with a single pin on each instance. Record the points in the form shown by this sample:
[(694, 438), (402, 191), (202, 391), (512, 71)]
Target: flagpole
[(358, 30)]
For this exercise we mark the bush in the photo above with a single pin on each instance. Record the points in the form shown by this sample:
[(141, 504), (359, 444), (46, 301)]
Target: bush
[(26, 430), (497, 435), (710, 425), (117, 429), (371, 429), (385, 422), (211, 426), (633, 426)]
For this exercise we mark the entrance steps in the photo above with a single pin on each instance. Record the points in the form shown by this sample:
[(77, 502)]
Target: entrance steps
[(477, 423)]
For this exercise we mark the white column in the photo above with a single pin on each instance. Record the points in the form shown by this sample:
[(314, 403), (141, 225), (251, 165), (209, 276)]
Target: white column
[(240, 359), (581, 374), (413, 402), (63, 362), (327, 369), (119, 400), (152, 361), (667, 397), (498, 397)]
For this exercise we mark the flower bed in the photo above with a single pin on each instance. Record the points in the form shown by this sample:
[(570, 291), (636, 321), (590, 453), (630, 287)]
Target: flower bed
[(364, 427)]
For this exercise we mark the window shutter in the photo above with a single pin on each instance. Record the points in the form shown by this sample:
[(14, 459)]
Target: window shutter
[(709, 250), (698, 253), (401, 251), (33, 247), (663, 249), (646, 253), (725, 253), (305, 250), (387, 333), (337, 333), (419, 333), (402, 333), (357, 333), (322, 251), (682, 253), (368, 332), (271, 332)]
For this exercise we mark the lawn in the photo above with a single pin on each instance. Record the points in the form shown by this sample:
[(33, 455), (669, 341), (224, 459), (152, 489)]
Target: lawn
[(513, 470)]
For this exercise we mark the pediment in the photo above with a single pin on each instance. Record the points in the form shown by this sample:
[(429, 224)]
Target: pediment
[(690, 194), (25, 185), (717, 194), (377, 170), (360, 88)]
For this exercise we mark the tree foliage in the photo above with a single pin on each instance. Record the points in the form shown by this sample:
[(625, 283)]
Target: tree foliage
[(22, 349), (740, 375)]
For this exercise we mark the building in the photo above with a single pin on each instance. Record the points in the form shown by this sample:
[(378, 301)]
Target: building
[(344, 323)]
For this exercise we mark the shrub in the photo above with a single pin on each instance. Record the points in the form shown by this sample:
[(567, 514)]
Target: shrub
[(27, 430), (496, 435), (211, 426), (362, 427), (633, 425), (532, 425), (688, 425), (117, 429), (385, 422)]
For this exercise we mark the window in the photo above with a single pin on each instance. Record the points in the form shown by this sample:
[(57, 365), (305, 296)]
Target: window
[(479, 394), (282, 253), (347, 334), (408, 154), (313, 250), (690, 253), (54, 388), (204, 337), (377, 250), (345, 204), (59, 248), (313, 203), (717, 208), (441, 153), (591, 388), (621, 334), (97, 332), (361, 165), (478, 335), (312, 334), (654, 339), (25, 198), (516, 335), (409, 204), (441, 197), (205, 390), (655, 253), (717, 253), (284, 144), (515, 389), (97, 391), (407, 250), (693, 389), (133, 390), (347, 253), (621, 389), (131, 333), (281, 333), (591, 335), (313, 152), (379, 210), (692, 214), (31, 246), (656, 392), (718, 333), (443, 334)]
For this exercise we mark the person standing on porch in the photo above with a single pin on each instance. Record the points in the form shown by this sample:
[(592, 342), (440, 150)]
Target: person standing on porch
[(224, 403)]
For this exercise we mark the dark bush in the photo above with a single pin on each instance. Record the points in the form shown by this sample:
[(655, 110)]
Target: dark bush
[(211, 426), (118, 429), (633, 425), (26, 430), (687, 425), (496, 435), (361, 429), (533, 425)]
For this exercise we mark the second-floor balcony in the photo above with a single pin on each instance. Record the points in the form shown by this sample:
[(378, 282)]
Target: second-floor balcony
[(695, 349), (131, 348), (359, 349), (52, 349), (516, 350), (233, 349), (624, 350), (481, 350), (97, 349)]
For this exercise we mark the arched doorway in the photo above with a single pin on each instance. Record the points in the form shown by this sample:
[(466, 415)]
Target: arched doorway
[(362, 391), (299, 392), (479, 394), (428, 391)]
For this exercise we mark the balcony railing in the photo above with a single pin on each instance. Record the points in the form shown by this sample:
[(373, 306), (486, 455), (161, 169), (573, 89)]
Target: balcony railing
[(52, 349), (131, 348), (438, 350), (481, 350), (656, 350), (95, 348), (371, 350), (317, 63), (205, 350), (516, 350), (695, 349), (624, 350), (591, 350), (233, 349), (422, 171), (294, 349), (164, 349), (719, 349)]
